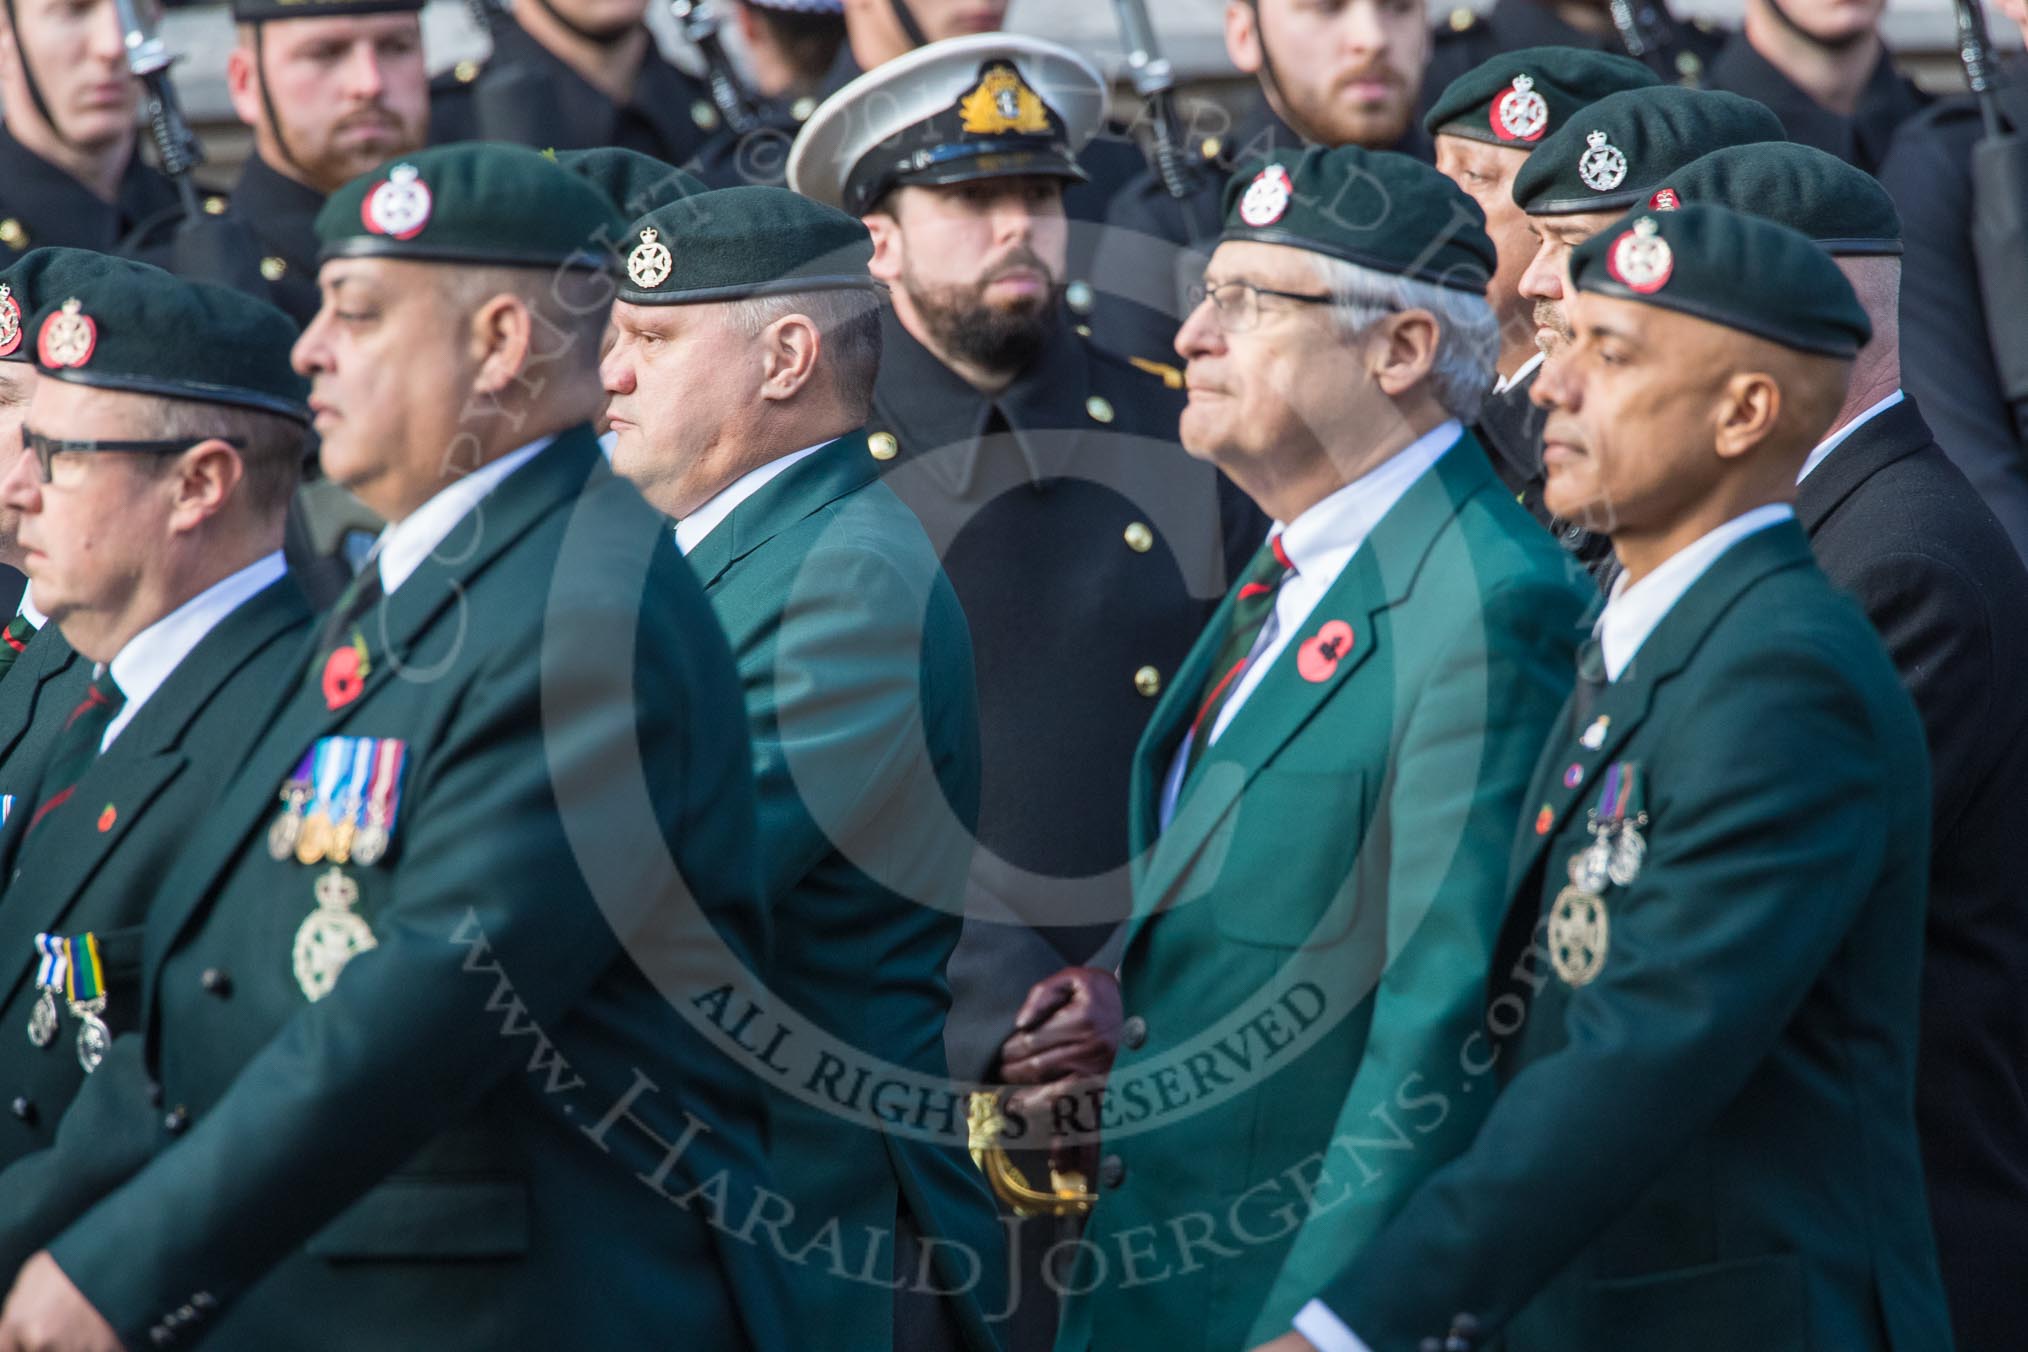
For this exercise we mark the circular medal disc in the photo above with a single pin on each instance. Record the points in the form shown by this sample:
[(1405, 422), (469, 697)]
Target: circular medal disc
[(1628, 853), (42, 1021), (313, 839), (282, 836), (93, 1039), (370, 844), (1579, 934)]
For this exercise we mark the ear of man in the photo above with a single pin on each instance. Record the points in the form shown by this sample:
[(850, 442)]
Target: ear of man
[(791, 347), (1403, 351)]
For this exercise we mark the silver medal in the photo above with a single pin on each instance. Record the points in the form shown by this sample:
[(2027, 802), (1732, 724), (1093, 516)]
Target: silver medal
[(42, 1020), (1628, 851), (93, 1037)]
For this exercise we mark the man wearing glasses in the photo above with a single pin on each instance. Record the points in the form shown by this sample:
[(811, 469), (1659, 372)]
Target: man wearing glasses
[(163, 440), (1324, 802)]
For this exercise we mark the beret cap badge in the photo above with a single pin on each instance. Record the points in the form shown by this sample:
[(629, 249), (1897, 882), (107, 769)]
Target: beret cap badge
[(649, 264), (10, 320), (1267, 197), (1603, 165), (399, 207), (1664, 199), (1521, 114), (68, 336), (1002, 102), (1641, 259)]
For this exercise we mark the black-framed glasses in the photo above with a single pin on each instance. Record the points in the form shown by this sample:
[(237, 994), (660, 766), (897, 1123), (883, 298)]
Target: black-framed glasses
[(48, 448), (1238, 303)]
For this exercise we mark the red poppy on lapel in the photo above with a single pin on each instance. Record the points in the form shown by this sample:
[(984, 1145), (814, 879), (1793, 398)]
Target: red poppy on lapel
[(1317, 658), (345, 672), (107, 817)]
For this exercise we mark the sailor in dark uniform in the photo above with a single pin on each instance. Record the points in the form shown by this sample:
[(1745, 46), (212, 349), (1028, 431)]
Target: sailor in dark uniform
[(572, 74), (791, 48), (1349, 75), (1675, 49), (1785, 42), (1085, 546), (331, 88)]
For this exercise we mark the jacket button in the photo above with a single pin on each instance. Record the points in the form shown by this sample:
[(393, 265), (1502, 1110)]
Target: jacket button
[(154, 1093), (216, 980), (1148, 681), (1112, 1171), (1139, 538), (883, 446), (1078, 296), (1100, 408), (161, 1336), (23, 1107), (177, 1120), (1134, 1033)]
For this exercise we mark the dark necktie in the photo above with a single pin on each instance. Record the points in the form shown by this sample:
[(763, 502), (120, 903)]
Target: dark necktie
[(361, 594), (77, 746), (1251, 609), (16, 637), (1591, 682)]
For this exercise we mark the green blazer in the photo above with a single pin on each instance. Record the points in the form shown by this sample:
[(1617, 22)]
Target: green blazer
[(475, 1139), (857, 669), (1311, 933), (94, 864), (1711, 1143), (45, 683)]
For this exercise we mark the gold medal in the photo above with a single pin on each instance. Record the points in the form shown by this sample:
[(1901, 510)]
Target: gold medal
[(313, 839), (330, 936), (1579, 934)]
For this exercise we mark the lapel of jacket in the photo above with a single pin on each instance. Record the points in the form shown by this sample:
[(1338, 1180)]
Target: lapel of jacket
[(1381, 573), (841, 468), (1624, 703), (549, 482), (148, 754), (46, 657), (1891, 435)]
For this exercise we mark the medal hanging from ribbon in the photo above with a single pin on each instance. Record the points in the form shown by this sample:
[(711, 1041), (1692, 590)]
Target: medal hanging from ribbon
[(1580, 928), (51, 969), (88, 1000), (350, 809), (288, 824), (331, 759), (383, 799)]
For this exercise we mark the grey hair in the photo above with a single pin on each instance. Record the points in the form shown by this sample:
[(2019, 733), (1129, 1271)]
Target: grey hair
[(1468, 334), (848, 322)]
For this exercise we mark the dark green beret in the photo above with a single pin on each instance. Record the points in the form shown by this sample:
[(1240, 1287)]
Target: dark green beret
[(1626, 145), (26, 287), (1519, 97), (732, 243), (477, 202), (1842, 209), (635, 183), (1730, 268), (1371, 207), (129, 326), (266, 11)]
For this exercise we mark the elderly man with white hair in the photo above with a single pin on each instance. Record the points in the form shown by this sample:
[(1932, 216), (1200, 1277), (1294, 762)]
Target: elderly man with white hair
[(1324, 804)]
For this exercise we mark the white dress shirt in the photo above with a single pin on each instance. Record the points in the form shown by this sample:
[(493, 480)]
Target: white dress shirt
[(1319, 543), (1837, 438), (692, 529), (1525, 370), (1629, 617), (27, 611), (148, 658), (403, 546)]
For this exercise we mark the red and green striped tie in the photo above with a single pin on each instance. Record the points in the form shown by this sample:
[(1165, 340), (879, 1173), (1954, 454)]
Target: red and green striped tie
[(1251, 608), (13, 640), (77, 746)]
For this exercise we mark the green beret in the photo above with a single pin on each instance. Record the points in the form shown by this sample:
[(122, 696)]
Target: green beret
[(129, 326), (471, 202), (1519, 97), (1840, 208), (1729, 268), (1370, 207), (26, 287), (748, 241), (265, 11), (635, 183), (1627, 144)]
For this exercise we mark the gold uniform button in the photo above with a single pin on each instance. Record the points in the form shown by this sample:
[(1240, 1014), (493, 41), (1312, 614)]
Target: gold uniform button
[(1462, 19), (12, 234), (214, 206), (1100, 410), (802, 108), (705, 114), (1212, 145), (273, 268), (1139, 538), (1148, 681), (465, 72), (1689, 65), (1084, 330), (883, 446), (1078, 296)]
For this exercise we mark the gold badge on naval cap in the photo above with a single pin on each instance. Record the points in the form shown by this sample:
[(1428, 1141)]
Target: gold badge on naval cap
[(1521, 114), (649, 264), (10, 321), (1267, 197), (1641, 259), (1602, 166), (68, 336), (400, 207), (1002, 102)]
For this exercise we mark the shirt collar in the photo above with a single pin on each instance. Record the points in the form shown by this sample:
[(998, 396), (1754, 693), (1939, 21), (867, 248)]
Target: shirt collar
[(1326, 535), (692, 529), (27, 609), (404, 545), (1521, 373), (149, 657), (1632, 612), (1837, 438)]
